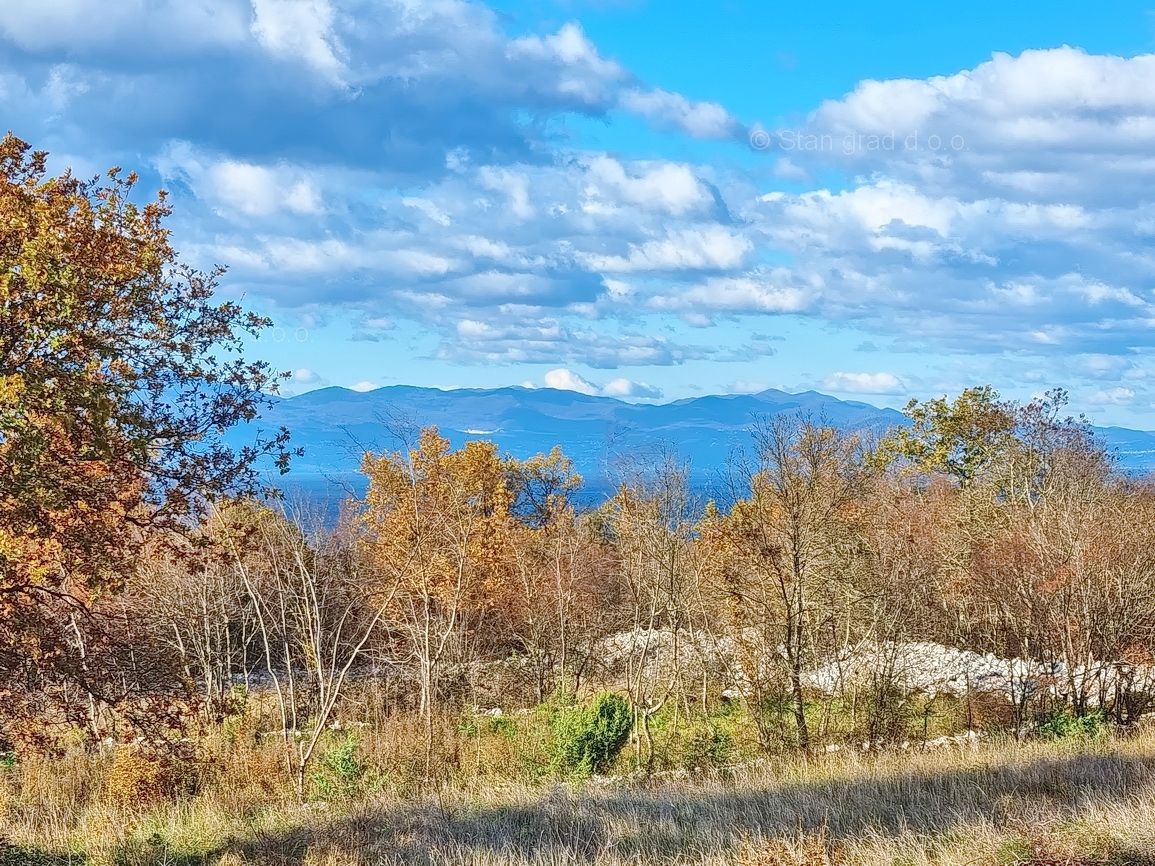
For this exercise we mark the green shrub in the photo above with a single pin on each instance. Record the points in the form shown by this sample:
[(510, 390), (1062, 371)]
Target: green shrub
[(1064, 724), (709, 746), (339, 772), (589, 739)]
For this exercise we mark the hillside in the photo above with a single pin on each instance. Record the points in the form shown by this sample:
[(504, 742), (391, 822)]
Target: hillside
[(336, 426)]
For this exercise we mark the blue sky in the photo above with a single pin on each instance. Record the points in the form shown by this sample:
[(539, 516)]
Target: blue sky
[(641, 199)]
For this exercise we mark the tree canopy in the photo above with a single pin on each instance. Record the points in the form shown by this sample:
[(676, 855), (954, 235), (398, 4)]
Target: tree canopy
[(120, 372)]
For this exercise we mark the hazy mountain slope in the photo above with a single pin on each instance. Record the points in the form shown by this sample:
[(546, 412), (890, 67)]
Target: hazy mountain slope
[(336, 425)]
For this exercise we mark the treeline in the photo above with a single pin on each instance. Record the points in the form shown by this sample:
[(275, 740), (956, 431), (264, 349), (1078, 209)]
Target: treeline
[(467, 579), (983, 566)]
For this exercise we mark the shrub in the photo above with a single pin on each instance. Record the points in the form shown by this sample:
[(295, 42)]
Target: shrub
[(140, 775), (709, 747), (589, 739), (1063, 724), (339, 772)]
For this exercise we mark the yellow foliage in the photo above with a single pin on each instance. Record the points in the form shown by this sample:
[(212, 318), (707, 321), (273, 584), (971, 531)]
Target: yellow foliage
[(139, 777)]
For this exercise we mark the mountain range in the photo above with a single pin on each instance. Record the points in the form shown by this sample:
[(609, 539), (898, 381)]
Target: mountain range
[(336, 426)]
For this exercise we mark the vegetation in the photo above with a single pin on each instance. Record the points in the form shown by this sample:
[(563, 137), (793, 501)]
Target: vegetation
[(589, 739), (118, 375), (1002, 804), (936, 648)]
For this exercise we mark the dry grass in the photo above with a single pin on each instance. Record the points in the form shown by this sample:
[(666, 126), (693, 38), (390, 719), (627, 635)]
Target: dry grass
[(1005, 803)]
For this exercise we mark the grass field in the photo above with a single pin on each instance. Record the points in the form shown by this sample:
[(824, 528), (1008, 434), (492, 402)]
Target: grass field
[(1066, 802)]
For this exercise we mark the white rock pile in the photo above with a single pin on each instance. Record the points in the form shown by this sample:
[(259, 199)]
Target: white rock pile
[(912, 666)]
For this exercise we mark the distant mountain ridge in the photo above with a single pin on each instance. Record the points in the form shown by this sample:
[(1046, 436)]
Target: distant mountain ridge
[(336, 426)]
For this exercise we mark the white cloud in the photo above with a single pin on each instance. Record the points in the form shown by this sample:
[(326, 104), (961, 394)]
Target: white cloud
[(669, 187), (80, 25), (428, 208), (513, 184), (527, 340), (414, 189), (864, 383), (1035, 233), (627, 388), (257, 190), (580, 71), (757, 293), (364, 386), (698, 119), (567, 380), (305, 376), (298, 30), (1112, 396), (621, 388), (242, 187), (697, 248), (1056, 123)]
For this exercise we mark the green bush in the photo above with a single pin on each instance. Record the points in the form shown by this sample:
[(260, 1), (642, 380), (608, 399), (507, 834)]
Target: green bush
[(1064, 724), (708, 746), (589, 739), (338, 774)]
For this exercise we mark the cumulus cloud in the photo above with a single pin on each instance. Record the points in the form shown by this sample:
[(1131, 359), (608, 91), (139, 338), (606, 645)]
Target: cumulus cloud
[(85, 26), (864, 383), (549, 340), (580, 71), (242, 187), (699, 119), (566, 380), (400, 161), (1118, 396), (1055, 126), (299, 30), (364, 386), (1003, 208), (662, 186), (627, 388), (709, 247), (513, 184), (395, 85), (758, 292)]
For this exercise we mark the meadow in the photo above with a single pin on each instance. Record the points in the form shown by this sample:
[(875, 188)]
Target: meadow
[(1086, 797)]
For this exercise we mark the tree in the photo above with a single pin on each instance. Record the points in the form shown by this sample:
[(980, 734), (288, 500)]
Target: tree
[(119, 375), (440, 532), (961, 439), (316, 611), (651, 520), (782, 557), (557, 567)]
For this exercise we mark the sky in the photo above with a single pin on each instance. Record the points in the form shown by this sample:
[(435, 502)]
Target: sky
[(646, 200)]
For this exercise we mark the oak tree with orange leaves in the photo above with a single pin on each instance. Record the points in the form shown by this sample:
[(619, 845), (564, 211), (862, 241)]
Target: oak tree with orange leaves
[(120, 372)]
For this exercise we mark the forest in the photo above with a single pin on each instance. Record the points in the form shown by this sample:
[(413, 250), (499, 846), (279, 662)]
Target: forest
[(176, 637)]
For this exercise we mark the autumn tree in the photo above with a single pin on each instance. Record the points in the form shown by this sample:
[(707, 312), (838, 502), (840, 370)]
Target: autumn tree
[(651, 522), (560, 571), (782, 557), (315, 607), (120, 372), (439, 536)]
